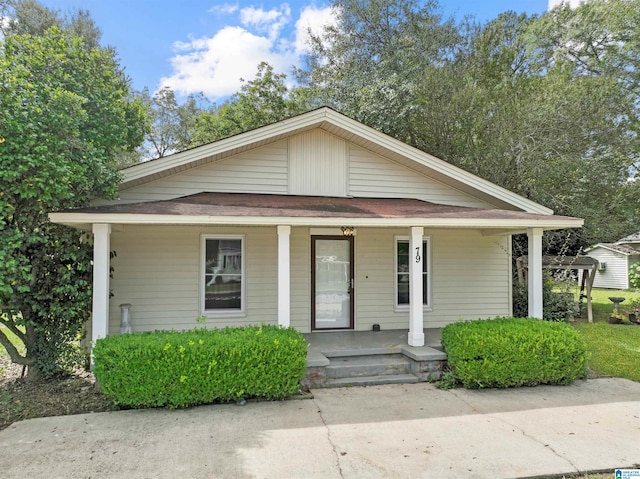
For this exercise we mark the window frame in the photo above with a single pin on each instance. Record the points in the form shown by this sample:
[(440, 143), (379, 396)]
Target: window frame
[(218, 313), (427, 276)]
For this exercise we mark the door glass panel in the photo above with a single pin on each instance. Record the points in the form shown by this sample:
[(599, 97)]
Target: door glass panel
[(332, 284)]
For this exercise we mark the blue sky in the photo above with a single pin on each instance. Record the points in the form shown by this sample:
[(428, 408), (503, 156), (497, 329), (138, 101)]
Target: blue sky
[(200, 45)]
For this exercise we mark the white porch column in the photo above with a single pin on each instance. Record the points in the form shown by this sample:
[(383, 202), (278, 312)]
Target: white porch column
[(101, 266), (416, 310), (535, 272), (284, 276)]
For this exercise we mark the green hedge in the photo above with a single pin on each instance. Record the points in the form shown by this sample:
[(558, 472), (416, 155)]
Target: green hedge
[(509, 352), (180, 369)]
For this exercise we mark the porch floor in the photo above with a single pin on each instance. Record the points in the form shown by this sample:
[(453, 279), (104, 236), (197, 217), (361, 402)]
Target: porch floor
[(325, 345)]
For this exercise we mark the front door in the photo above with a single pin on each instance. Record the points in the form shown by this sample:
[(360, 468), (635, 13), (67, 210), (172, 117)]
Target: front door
[(332, 282)]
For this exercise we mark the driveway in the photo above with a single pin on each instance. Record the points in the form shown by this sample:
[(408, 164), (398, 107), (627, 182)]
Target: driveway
[(397, 431)]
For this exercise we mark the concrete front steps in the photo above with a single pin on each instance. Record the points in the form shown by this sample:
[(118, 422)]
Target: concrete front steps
[(368, 370), (367, 366)]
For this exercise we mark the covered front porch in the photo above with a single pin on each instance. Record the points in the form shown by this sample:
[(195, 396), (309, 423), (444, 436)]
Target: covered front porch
[(404, 264), (349, 358)]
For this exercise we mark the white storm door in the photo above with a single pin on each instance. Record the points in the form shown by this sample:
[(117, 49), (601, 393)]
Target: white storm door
[(332, 282)]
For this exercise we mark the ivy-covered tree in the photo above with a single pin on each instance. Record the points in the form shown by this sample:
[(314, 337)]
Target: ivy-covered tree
[(65, 116)]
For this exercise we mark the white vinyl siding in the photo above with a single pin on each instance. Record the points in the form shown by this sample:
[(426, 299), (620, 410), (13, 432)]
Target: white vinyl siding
[(317, 164), (373, 176), (157, 269), (616, 275), (470, 278), (311, 163), (301, 279), (263, 170)]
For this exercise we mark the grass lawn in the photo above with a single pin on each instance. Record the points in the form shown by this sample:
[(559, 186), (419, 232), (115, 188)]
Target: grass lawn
[(14, 340), (4, 355), (614, 348), (602, 306)]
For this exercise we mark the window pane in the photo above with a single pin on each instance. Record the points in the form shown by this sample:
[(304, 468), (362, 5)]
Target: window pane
[(223, 274), (403, 256), (425, 289), (403, 288), (424, 257), (402, 274)]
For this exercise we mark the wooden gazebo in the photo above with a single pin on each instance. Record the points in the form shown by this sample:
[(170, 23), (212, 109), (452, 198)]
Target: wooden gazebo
[(586, 264)]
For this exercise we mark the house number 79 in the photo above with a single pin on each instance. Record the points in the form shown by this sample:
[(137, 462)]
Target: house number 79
[(418, 254)]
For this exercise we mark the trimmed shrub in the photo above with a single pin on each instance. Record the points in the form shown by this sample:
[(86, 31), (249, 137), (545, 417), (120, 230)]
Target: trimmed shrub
[(179, 369), (634, 275), (510, 352), (558, 306)]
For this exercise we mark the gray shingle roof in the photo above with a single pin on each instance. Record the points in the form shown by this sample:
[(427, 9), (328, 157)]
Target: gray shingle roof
[(634, 238)]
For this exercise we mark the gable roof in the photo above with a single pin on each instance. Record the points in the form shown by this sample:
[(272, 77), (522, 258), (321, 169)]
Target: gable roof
[(343, 127), (616, 248)]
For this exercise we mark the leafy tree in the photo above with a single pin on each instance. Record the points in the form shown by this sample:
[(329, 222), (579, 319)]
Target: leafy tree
[(531, 126), (598, 44), (65, 116), (598, 38), (33, 18), (172, 124), (370, 64), (261, 101)]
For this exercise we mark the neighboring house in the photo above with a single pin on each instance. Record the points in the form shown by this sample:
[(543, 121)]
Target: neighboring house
[(614, 260), (318, 222)]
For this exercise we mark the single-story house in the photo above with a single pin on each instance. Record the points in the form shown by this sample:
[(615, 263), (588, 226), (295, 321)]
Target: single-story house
[(614, 260), (316, 222)]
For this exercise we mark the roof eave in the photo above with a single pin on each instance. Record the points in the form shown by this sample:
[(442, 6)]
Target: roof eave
[(613, 250), (84, 219)]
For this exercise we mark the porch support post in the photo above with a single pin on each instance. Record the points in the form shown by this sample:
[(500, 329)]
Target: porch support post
[(284, 276), (101, 266), (416, 310), (535, 272)]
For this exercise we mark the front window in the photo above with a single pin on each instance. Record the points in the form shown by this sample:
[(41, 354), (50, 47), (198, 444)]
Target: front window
[(402, 272), (223, 274)]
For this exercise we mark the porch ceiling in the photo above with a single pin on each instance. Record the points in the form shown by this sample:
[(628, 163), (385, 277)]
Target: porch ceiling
[(257, 209)]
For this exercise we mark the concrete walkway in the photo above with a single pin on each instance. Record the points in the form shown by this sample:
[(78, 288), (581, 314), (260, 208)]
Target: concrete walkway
[(400, 431)]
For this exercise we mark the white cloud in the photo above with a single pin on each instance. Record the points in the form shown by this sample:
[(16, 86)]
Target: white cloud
[(314, 19), (225, 9), (269, 21), (192, 44), (259, 17), (214, 65)]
